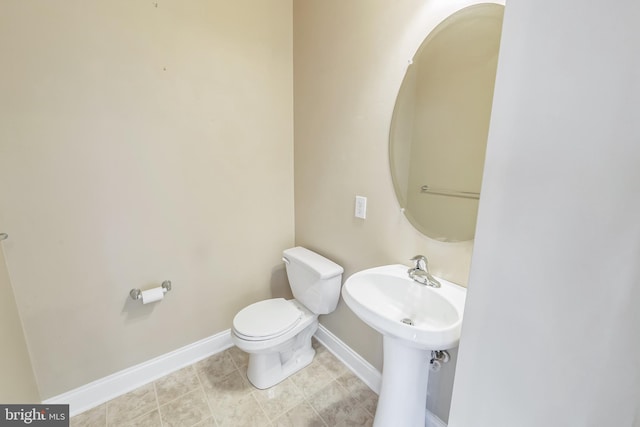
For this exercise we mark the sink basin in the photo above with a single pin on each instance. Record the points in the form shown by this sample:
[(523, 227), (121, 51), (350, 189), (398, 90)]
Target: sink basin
[(388, 300), (413, 320)]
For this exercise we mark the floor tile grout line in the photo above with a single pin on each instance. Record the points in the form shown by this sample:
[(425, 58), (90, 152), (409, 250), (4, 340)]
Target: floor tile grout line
[(206, 397), (155, 393), (308, 398), (142, 415), (335, 379), (206, 400), (260, 405), (266, 417), (313, 407), (335, 375), (288, 408), (138, 415), (179, 396), (251, 393), (194, 391), (359, 403), (238, 367)]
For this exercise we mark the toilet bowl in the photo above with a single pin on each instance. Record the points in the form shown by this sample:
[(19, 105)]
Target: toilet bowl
[(277, 332), (277, 348)]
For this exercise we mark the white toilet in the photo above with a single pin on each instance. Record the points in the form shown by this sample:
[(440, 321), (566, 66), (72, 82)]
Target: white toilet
[(277, 332)]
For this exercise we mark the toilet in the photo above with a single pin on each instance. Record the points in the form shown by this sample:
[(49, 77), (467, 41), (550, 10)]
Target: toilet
[(277, 332)]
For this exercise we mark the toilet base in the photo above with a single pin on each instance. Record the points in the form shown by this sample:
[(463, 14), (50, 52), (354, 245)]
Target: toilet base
[(267, 369)]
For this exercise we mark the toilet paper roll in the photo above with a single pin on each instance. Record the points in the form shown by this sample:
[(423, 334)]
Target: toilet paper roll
[(152, 295)]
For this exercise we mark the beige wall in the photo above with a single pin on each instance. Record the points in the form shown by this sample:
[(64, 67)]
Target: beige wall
[(349, 61), (18, 383), (141, 141)]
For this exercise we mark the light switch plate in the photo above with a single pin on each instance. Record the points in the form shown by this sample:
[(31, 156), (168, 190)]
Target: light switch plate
[(361, 207)]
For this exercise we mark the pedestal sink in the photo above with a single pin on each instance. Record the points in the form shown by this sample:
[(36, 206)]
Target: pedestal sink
[(414, 319)]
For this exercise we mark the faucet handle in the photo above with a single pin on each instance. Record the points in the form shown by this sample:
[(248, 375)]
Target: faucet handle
[(421, 262)]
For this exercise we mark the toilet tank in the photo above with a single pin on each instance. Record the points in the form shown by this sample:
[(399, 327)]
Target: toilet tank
[(315, 280)]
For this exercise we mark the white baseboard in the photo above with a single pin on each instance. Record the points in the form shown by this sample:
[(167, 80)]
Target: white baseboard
[(97, 392), (362, 369)]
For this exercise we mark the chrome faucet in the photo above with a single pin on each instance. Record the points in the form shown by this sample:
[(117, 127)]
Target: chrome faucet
[(420, 273)]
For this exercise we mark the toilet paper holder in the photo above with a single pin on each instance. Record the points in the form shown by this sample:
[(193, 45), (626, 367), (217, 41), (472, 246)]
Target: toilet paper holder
[(136, 293)]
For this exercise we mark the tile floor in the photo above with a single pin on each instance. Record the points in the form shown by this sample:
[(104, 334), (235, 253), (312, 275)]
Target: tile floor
[(216, 393)]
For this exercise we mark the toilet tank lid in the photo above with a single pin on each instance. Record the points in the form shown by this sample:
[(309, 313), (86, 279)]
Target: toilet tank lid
[(323, 266)]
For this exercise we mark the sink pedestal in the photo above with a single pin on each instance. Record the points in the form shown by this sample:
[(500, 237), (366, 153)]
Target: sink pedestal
[(403, 395), (413, 320)]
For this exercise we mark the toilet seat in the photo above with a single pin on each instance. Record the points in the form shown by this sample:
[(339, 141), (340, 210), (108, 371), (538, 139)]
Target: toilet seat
[(266, 319)]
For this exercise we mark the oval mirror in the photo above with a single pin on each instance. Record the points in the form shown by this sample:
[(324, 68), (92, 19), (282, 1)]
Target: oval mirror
[(441, 120)]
